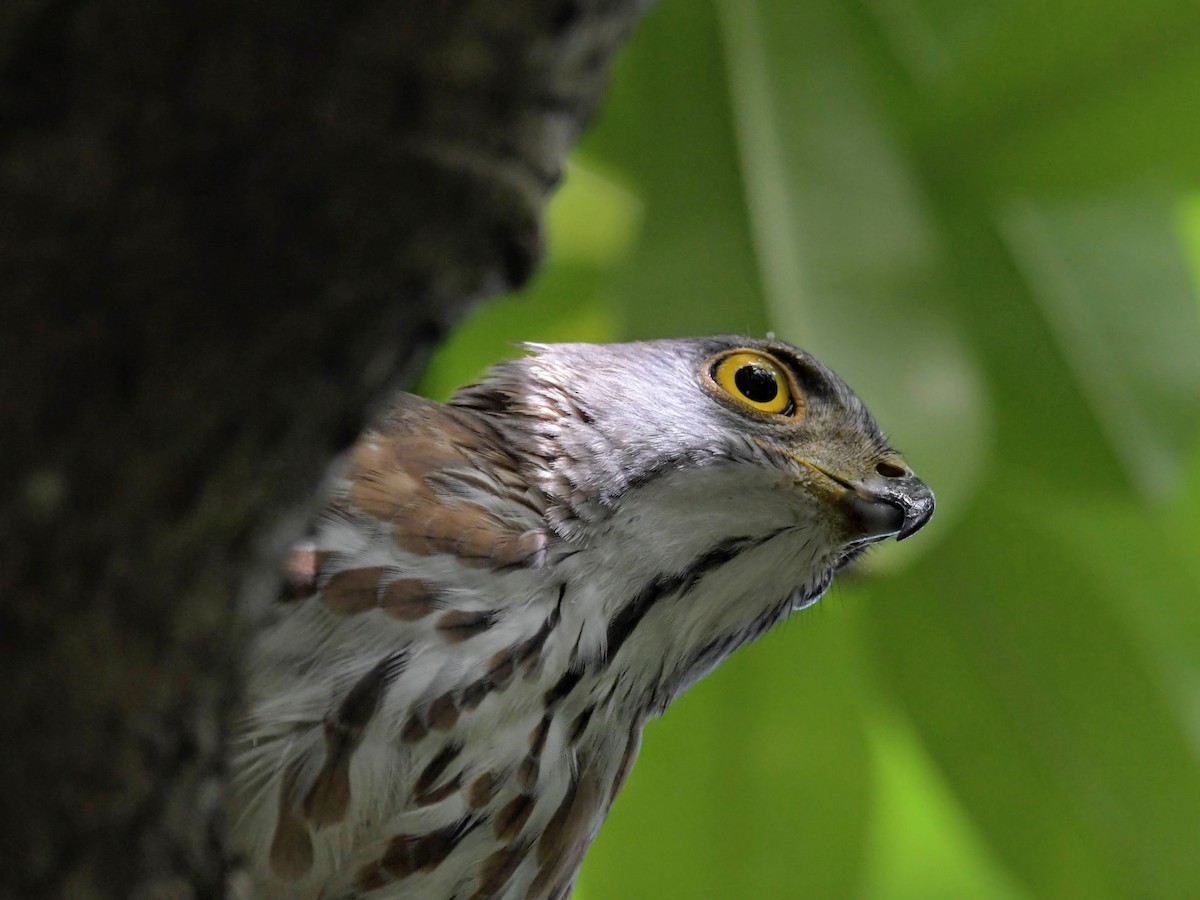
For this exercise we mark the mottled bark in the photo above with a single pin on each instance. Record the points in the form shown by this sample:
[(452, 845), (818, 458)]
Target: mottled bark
[(226, 230)]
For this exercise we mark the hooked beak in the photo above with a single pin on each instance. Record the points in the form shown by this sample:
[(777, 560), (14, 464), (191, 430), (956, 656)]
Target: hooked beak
[(893, 501), (887, 506)]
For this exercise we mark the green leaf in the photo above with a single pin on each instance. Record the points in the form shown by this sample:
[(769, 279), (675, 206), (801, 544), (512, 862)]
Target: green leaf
[(981, 215), (852, 262), (755, 784), (1052, 728), (923, 846), (666, 128), (1138, 365)]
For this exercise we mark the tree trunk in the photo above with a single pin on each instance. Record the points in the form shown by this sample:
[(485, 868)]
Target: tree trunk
[(227, 229)]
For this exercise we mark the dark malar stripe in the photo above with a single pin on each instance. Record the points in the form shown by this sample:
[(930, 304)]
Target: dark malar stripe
[(622, 624)]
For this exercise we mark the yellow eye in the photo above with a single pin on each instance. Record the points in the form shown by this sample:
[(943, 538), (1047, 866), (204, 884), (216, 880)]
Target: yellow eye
[(756, 380)]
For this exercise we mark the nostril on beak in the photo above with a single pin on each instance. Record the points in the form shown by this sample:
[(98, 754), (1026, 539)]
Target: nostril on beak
[(897, 503)]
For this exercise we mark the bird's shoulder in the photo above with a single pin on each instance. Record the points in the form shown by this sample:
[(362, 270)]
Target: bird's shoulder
[(420, 594), (445, 481)]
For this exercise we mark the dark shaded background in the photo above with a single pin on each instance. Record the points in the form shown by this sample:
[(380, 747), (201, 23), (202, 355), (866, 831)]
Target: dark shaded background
[(225, 230), (226, 233)]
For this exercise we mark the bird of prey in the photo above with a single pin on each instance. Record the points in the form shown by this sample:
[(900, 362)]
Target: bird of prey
[(505, 588)]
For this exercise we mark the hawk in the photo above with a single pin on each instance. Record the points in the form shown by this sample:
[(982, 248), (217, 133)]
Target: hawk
[(505, 588)]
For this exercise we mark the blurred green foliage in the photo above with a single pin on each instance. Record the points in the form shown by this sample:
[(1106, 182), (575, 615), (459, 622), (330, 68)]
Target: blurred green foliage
[(986, 216)]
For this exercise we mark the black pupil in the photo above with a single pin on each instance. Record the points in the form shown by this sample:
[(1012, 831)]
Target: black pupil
[(756, 384)]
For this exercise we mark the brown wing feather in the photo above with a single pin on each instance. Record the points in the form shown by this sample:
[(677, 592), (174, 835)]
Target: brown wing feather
[(426, 472), (439, 481), (416, 472)]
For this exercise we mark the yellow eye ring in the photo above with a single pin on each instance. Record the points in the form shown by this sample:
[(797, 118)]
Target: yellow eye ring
[(756, 380)]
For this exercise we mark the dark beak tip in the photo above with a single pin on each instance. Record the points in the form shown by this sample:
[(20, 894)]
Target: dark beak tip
[(896, 508), (916, 515)]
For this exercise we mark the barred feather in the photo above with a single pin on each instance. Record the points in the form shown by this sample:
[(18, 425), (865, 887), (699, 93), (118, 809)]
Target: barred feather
[(499, 595)]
